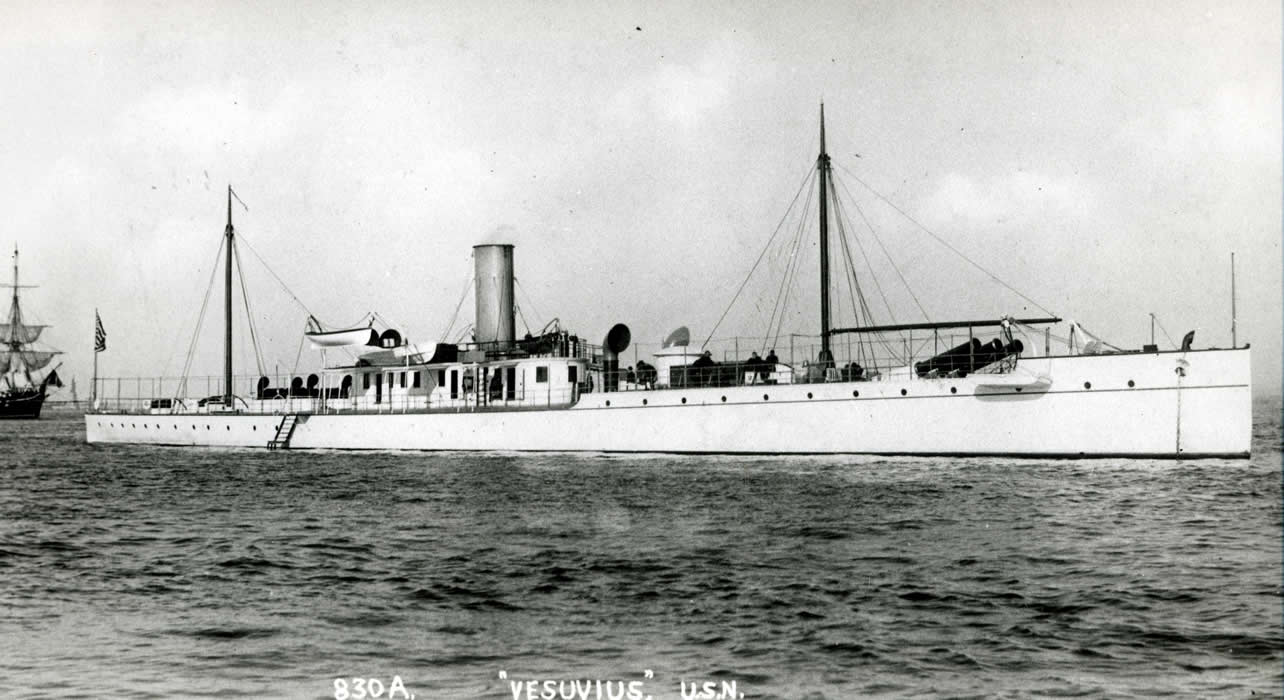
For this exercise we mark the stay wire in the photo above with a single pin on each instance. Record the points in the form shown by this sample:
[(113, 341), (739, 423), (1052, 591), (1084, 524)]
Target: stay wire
[(181, 389), (276, 276), (786, 280), (249, 316), (529, 301), (760, 257), (886, 254), (942, 241), (468, 280)]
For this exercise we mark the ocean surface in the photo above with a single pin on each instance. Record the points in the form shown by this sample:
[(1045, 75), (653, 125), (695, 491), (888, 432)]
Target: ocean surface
[(144, 572)]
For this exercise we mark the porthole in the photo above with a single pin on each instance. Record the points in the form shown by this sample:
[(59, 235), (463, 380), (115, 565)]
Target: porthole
[(684, 399), (1019, 389), (903, 392), (954, 390), (1087, 385), (1131, 383), (608, 403), (643, 402), (809, 394), (855, 394), (193, 427), (229, 427), (207, 427), (132, 425), (724, 399), (764, 397), (254, 427), (176, 426)]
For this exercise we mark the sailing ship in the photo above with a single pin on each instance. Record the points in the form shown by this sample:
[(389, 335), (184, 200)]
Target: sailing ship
[(554, 391), (23, 365)]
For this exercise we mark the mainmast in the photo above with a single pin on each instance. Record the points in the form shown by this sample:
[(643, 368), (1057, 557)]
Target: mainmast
[(822, 166), (229, 233)]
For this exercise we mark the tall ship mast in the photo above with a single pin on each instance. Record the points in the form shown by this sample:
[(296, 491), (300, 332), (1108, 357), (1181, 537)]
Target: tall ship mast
[(25, 368), (988, 385)]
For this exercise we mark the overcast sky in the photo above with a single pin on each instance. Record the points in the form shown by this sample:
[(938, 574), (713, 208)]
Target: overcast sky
[(1103, 158)]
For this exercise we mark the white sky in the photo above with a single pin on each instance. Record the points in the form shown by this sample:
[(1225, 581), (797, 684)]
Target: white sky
[(1104, 158)]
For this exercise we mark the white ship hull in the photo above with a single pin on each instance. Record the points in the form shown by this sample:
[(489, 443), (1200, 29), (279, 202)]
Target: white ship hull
[(1133, 405)]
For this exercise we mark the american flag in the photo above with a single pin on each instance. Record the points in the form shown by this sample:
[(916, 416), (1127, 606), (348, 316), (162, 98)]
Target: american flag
[(100, 336)]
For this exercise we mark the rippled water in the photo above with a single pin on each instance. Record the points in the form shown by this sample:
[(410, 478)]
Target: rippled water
[(173, 572)]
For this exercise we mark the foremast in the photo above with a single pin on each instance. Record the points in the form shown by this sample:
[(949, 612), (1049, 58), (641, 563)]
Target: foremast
[(230, 234)]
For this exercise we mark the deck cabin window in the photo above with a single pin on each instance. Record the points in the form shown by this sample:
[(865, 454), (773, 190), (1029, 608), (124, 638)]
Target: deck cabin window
[(510, 383), (541, 375), (414, 380), (365, 380), (454, 384), (402, 380), (441, 377), (572, 374)]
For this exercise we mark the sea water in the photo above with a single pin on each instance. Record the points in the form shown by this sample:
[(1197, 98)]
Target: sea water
[(175, 572)]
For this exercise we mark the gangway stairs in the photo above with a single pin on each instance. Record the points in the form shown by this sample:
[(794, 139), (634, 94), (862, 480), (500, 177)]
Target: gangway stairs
[(284, 432)]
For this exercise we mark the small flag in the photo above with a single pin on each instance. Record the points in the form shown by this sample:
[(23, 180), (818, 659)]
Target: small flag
[(100, 336)]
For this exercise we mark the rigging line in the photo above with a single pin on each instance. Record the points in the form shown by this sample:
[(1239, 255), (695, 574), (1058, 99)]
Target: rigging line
[(298, 354), (468, 280), (760, 256), (238, 198), (523, 317), (790, 282), (249, 316), (877, 285), (853, 287), (181, 389), (859, 296), (791, 264), (1165, 330), (791, 268), (529, 301), (274, 275), (888, 255), (942, 241), (385, 321), (366, 318), (1112, 347)]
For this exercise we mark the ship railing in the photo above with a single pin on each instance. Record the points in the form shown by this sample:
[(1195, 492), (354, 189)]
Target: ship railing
[(878, 356), (171, 395), (560, 345), (205, 394), (440, 399)]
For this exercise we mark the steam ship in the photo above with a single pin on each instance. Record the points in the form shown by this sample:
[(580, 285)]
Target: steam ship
[(23, 365), (555, 392)]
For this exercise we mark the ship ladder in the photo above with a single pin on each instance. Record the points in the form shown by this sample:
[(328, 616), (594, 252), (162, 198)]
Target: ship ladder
[(284, 432)]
